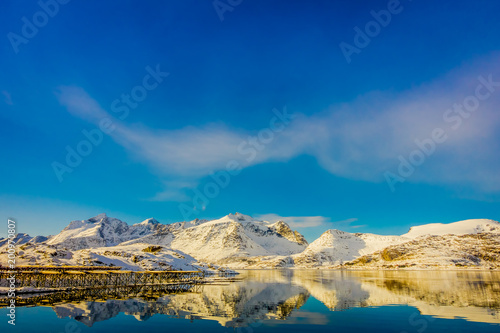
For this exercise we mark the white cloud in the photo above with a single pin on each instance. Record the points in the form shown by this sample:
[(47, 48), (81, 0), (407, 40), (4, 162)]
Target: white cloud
[(358, 140), (295, 221), (347, 223), (310, 221), (173, 191), (80, 104), (358, 226)]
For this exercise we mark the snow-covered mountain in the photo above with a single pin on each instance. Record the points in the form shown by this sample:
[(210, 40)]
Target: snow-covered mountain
[(457, 248), (100, 231), (240, 241), (151, 245), (38, 239), (455, 228), (481, 250), (230, 239), (335, 247), (237, 236), (19, 239)]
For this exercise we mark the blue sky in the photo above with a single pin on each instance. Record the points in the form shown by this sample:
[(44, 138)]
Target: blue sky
[(265, 99)]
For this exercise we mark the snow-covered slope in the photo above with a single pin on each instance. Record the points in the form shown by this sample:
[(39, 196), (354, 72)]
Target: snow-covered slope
[(240, 241), (38, 239), (136, 257), (284, 230), (95, 232), (228, 240), (237, 236), (21, 238), (100, 231), (335, 246), (102, 240), (480, 250), (107, 240), (455, 228)]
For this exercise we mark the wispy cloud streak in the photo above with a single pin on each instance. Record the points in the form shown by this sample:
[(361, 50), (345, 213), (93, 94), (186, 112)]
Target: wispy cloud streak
[(357, 140)]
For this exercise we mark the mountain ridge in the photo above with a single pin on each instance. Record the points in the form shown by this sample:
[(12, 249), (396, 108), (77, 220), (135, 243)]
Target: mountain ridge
[(240, 241)]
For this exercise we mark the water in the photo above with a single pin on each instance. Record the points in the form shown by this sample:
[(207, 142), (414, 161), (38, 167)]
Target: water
[(292, 301)]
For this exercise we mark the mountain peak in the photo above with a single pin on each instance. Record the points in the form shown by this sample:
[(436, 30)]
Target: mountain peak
[(150, 221), (92, 221), (97, 218), (282, 228), (472, 226), (19, 239), (99, 230), (333, 232)]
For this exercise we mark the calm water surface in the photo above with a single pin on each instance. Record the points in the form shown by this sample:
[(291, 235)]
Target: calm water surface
[(292, 301)]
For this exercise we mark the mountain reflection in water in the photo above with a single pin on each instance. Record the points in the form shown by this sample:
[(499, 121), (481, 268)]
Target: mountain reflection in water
[(267, 295)]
